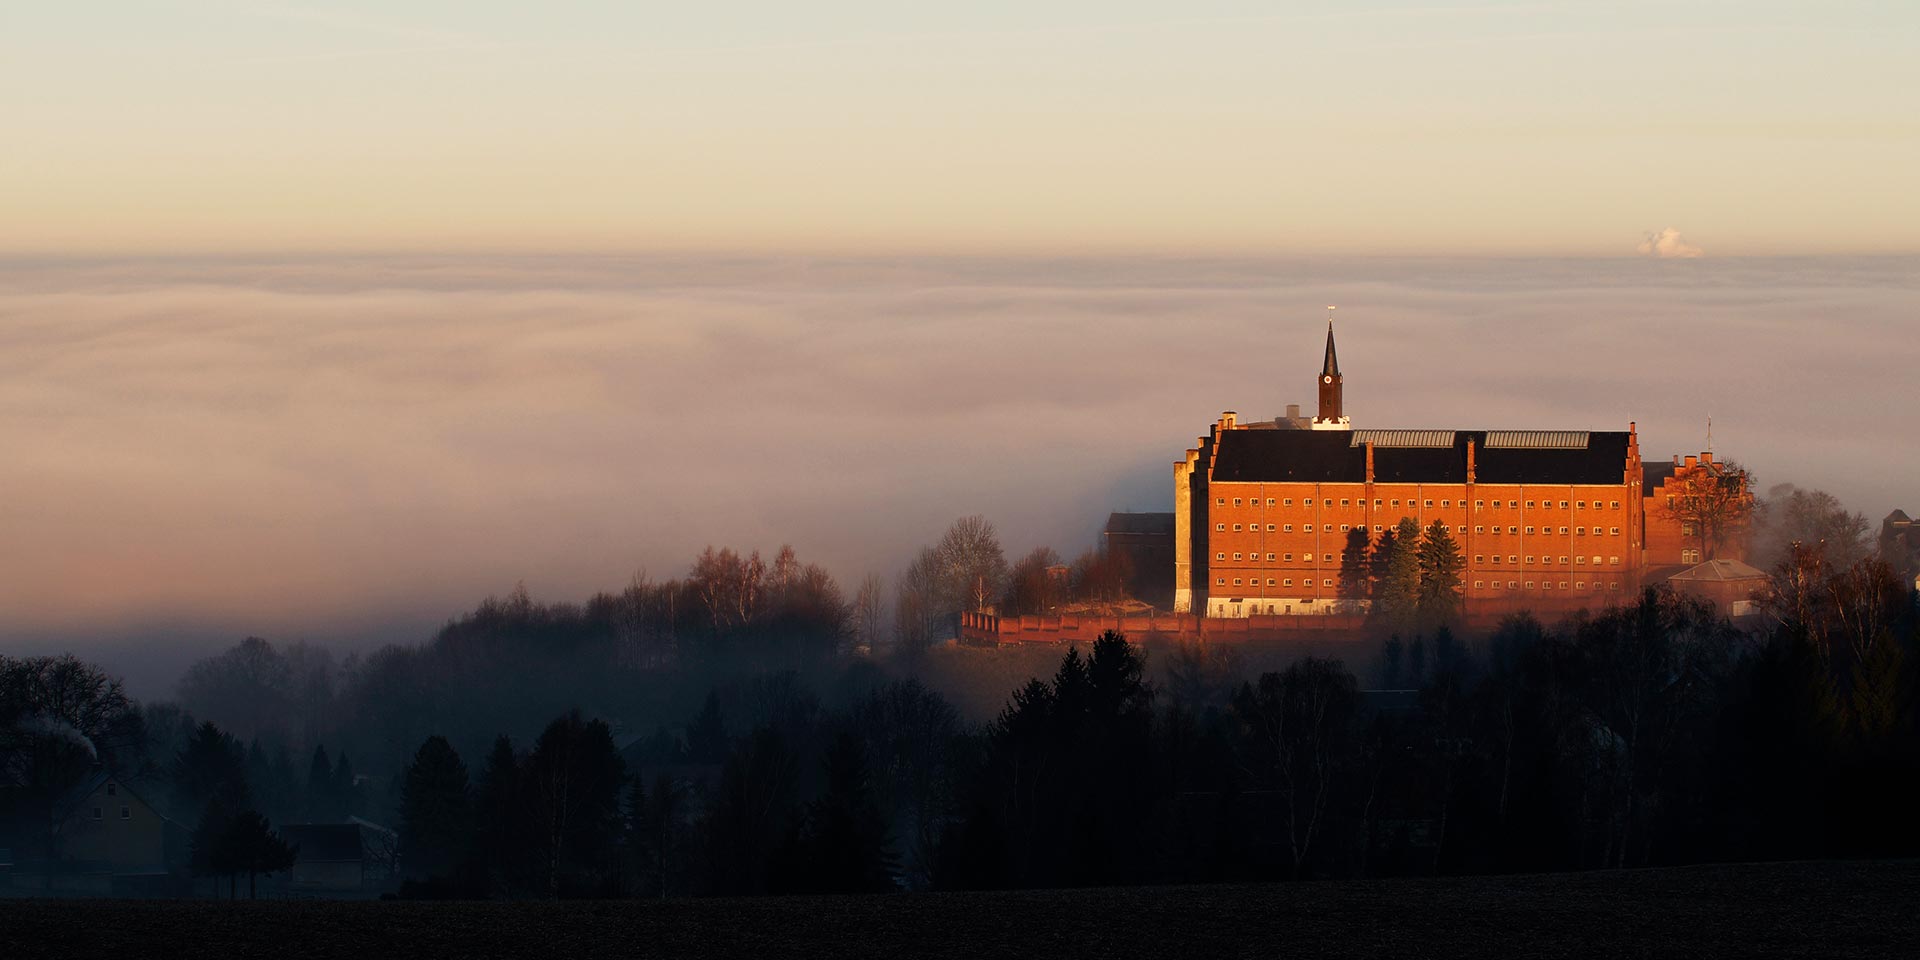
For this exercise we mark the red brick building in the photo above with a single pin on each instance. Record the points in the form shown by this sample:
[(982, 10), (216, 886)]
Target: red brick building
[(1274, 519)]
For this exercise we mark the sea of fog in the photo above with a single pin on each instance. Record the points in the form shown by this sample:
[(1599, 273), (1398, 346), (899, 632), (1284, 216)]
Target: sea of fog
[(348, 450)]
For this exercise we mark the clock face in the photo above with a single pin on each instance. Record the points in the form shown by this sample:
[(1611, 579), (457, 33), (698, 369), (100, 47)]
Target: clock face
[(1326, 379)]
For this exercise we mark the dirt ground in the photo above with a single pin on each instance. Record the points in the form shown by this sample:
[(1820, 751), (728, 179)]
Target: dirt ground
[(1855, 910)]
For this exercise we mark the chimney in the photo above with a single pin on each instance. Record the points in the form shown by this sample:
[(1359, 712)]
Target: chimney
[(1293, 411), (1369, 461), (1226, 420), (1469, 460)]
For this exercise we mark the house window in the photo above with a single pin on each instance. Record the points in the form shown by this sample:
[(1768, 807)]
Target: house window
[(1613, 531), (1236, 528), (126, 812), (1579, 504), (1220, 556), (1563, 504), (1563, 531), (1529, 584), (1308, 527), (1479, 504), (1496, 558), (1326, 583), (1221, 502), (1529, 561), (1445, 504), (1563, 561), (1580, 531), (1376, 504), (1613, 505), (1580, 560), (1345, 527), (1513, 584), (1236, 501), (113, 789), (1236, 556), (1269, 558), (1396, 501), (96, 813), (1289, 582), (1220, 528), (1377, 528)]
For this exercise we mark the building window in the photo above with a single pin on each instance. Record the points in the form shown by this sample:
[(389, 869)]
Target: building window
[(1613, 561), (1496, 558), (1289, 558), (1479, 504), (1529, 584), (1288, 501), (1376, 504), (1580, 585), (1269, 583), (1563, 531), (1236, 501), (1269, 558), (1221, 502), (1613, 531), (1236, 581), (1236, 556), (1581, 560), (1529, 504), (1396, 501), (1613, 505), (1307, 527), (1529, 531), (1307, 502), (1377, 528), (1513, 529), (1220, 528), (1512, 584), (1579, 531), (1345, 527), (1579, 504), (1289, 582), (1563, 561), (1326, 583), (1513, 558), (1269, 501), (1529, 560), (1288, 527), (1429, 504), (1445, 504), (1479, 529), (1221, 582), (1270, 528), (1346, 502), (126, 812), (1479, 585), (96, 813), (113, 789), (1220, 556), (1236, 528)]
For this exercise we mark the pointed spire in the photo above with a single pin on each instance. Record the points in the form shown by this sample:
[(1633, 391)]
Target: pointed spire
[(1332, 365)]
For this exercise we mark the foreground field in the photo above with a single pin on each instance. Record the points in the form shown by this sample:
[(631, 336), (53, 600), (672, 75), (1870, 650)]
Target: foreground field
[(1820, 909)]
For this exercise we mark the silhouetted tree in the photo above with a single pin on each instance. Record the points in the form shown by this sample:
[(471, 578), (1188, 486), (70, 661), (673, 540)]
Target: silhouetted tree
[(847, 845), (1441, 566), (436, 823), (574, 779)]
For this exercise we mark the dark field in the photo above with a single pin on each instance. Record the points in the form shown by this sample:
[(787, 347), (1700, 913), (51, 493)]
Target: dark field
[(1818, 909)]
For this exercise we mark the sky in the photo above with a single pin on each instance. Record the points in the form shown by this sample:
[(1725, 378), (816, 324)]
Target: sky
[(1210, 127), (350, 450), (324, 321)]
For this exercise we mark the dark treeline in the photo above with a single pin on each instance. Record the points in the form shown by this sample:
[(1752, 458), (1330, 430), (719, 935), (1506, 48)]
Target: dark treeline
[(716, 735)]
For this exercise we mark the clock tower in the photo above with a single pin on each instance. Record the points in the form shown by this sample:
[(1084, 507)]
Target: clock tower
[(1331, 415)]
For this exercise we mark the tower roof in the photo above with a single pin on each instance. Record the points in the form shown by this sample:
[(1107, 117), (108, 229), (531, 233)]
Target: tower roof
[(1332, 365)]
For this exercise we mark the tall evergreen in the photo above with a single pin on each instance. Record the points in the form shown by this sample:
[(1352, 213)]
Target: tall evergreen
[(1441, 567), (435, 812), (1396, 600)]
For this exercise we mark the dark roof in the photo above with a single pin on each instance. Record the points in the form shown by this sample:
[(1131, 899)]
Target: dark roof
[(324, 842), (1140, 523), (1652, 475), (1334, 456)]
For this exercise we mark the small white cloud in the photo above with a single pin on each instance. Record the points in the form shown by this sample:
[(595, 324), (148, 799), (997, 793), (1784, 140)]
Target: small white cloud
[(1668, 243)]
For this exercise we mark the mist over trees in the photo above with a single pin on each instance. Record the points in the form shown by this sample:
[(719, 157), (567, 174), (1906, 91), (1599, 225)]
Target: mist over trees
[(749, 729)]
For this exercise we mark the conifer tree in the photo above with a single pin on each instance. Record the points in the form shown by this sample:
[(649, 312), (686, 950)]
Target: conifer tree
[(1440, 564), (435, 812), (1397, 597)]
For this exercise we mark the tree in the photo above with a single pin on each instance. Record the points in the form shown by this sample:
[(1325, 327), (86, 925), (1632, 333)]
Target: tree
[(917, 604), (574, 779), (251, 846), (211, 769), (1791, 515), (58, 717), (1441, 566), (501, 811), (322, 805), (1293, 732), (1396, 601), (867, 622), (657, 830), (973, 570), (435, 811), (848, 846), (1031, 585), (1712, 499)]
